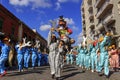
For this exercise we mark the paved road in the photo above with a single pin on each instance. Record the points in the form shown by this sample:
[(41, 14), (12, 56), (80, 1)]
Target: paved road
[(70, 72)]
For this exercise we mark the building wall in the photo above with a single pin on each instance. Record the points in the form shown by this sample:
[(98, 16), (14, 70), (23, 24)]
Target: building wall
[(117, 19), (99, 22), (12, 25)]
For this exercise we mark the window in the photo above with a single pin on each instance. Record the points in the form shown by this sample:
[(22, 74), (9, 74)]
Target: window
[(13, 30), (1, 25), (25, 35), (119, 7)]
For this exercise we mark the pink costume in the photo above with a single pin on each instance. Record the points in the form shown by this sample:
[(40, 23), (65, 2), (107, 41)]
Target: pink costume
[(114, 60)]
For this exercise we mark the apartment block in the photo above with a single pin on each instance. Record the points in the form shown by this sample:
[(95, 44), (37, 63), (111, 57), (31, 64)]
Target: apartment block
[(101, 16)]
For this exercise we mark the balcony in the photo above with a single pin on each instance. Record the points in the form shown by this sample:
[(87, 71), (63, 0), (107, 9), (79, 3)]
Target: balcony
[(109, 18), (99, 26), (99, 3), (103, 10), (89, 1), (91, 16), (83, 14), (83, 25), (83, 21), (91, 25), (82, 8), (84, 32), (90, 8)]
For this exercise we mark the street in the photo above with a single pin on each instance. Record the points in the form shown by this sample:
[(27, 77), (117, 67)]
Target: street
[(70, 72)]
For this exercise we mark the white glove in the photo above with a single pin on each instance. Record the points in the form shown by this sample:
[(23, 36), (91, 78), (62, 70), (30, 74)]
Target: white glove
[(24, 40), (28, 43)]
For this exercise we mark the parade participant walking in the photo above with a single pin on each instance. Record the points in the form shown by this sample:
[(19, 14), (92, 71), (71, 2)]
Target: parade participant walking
[(82, 57), (67, 58), (20, 49), (87, 59), (20, 52), (34, 56), (39, 57), (4, 55), (104, 57), (93, 58), (11, 55), (58, 60), (52, 53), (71, 56), (79, 54), (114, 58), (26, 57)]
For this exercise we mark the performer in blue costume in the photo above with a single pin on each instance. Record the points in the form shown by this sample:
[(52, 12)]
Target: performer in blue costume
[(79, 54), (104, 55), (82, 57), (71, 56), (93, 57), (87, 59), (39, 57), (20, 52), (20, 49), (26, 57), (34, 56), (4, 55), (67, 58)]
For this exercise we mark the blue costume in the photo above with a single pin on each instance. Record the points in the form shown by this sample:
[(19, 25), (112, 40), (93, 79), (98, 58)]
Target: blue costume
[(34, 56), (26, 57), (4, 56), (104, 56), (46, 59), (77, 61), (67, 58), (71, 58), (20, 53), (82, 57), (39, 58), (87, 59), (93, 58), (79, 56)]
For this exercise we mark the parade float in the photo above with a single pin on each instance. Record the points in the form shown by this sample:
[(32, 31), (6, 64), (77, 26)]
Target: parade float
[(64, 31)]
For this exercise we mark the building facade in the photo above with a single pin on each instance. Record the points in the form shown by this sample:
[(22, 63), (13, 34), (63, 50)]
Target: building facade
[(16, 29), (101, 16)]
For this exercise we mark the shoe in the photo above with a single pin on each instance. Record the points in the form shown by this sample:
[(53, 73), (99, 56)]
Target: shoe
[(33, 67), (107, 76), (3, 74), (57, 78), (79, 65), (100, 74), (92, 70), (22, 70), (53, 76), (19, 70)]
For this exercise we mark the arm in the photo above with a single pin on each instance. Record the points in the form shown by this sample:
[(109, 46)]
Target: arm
[(49, 38), (1, 43)]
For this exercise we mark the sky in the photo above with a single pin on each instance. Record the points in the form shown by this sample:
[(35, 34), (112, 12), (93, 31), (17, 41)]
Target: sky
[(37, 14)]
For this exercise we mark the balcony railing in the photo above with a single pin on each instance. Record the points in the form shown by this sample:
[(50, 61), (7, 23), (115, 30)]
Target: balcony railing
[(99, 26), (91, 25), (109, 18), (82, 8), (103, 8), (89, 1), (98, 2), (90, 8), (91, 15)]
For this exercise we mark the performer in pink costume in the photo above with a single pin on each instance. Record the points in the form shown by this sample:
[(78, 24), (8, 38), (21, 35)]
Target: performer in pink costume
[(114, 61)]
